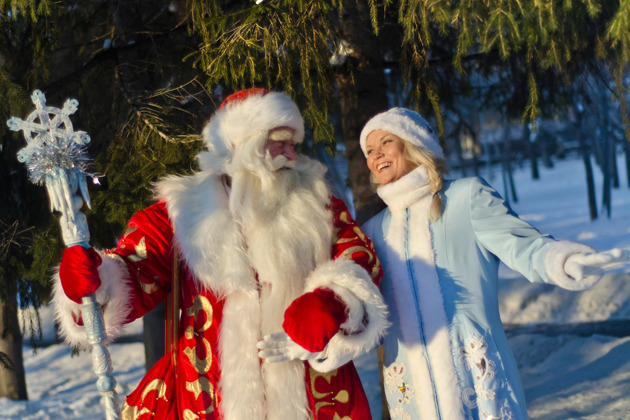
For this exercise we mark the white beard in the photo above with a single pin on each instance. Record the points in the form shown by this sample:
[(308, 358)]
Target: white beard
[(287, 231)]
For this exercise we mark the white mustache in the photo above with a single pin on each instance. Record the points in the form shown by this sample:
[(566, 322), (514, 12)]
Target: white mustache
[(279, 162)]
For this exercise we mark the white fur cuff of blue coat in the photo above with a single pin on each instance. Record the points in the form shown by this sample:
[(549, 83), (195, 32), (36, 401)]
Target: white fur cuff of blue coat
[(554, 265), (114, 292), (354, 286)]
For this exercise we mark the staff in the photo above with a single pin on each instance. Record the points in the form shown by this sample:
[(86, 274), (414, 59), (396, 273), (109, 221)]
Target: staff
[(55, 156)]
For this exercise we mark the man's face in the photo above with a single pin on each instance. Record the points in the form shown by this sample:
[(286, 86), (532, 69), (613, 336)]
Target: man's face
[(280, 148)]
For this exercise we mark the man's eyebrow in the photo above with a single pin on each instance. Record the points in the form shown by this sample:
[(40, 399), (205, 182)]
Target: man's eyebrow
[(280, 135)]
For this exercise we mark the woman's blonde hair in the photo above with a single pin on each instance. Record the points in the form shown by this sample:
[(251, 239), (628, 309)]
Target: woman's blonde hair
[(436, 168)]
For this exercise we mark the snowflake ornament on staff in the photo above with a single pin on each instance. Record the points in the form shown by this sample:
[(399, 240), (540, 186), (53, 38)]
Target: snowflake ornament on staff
[(55, 156)]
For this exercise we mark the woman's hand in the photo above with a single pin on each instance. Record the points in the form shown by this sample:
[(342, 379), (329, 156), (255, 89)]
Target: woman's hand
[(584, 265)]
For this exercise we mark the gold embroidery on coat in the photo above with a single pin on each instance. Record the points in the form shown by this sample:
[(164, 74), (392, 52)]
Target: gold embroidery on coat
[(200, 365), (201, 385), (189, 415), (130, 412), (327, 376), (146, 288), (130, 230), (149, 288), (141, 251), (157, 385), (345, 217), (200, 303), (342, 396)]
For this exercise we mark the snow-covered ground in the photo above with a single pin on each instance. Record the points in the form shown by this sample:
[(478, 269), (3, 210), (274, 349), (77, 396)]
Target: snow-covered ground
[(566, 376)]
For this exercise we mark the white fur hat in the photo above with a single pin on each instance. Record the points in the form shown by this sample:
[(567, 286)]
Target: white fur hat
[(248, 114), (406, 124)]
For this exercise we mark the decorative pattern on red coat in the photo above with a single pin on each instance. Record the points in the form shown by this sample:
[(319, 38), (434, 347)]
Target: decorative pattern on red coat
[(351, 243)]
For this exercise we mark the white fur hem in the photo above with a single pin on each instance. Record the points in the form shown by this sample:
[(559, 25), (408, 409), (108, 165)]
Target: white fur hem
[(355, 287), (238, 335), (113, 295), (554, 265)]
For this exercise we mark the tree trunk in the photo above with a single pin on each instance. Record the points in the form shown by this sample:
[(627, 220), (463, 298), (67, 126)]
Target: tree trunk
[(531, 139), (12, 382), (458, 150), (153, 335), (362, 93), (586, 158), (508, 179), (607, 157)]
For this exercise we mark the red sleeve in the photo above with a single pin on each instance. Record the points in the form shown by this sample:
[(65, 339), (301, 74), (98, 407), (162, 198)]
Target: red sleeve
[(350, 242), (147, 250)]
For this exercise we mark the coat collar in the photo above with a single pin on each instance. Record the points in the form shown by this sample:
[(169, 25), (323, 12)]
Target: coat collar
[(208, 237)]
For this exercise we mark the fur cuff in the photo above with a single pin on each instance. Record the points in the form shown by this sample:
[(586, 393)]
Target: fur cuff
[(367, 313), (113, 295), (554, 265)]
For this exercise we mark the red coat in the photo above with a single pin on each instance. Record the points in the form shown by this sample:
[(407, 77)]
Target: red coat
[(227, 305), (191, 390)]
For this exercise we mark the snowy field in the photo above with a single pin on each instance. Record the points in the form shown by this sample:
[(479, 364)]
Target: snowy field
[(565, 375)]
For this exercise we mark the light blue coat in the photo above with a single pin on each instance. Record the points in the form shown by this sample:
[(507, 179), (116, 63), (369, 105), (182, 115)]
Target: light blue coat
[(446, 355)]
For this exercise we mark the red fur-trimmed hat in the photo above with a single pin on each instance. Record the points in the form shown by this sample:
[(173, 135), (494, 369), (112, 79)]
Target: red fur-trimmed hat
[(248, 114)]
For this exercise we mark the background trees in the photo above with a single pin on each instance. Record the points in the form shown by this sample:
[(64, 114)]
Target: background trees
[(148, 74)]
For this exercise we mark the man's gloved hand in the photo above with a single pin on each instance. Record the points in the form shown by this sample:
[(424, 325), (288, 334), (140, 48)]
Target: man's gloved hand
[(78, 272), (314, 318), (278, 347), (583, 265)]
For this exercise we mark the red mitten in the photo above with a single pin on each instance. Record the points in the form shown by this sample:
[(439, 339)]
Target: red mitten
[(313, 318), (79, 272)]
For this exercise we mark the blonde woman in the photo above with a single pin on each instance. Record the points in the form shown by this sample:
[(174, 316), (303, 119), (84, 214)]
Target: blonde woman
[(440, 242)]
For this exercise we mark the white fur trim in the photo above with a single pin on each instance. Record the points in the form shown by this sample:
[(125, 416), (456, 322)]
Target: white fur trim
[(425, 289), (555, 258), (242, 120), (355, 287), (113, 295), (406, 124), (406, 190), (239, 358), (207, 236), (285, 391)]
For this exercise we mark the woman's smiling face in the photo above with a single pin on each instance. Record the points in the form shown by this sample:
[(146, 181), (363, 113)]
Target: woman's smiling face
[(385, 156)]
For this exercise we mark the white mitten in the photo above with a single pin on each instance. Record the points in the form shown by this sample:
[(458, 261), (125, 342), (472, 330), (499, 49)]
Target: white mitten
[(583, 265), (278, 347)]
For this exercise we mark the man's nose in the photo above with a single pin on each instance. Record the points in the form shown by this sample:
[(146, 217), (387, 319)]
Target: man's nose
[(289, 151)]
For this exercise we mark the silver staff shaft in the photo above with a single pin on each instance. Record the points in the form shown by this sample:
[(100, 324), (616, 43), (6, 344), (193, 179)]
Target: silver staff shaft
[(55, 157)]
